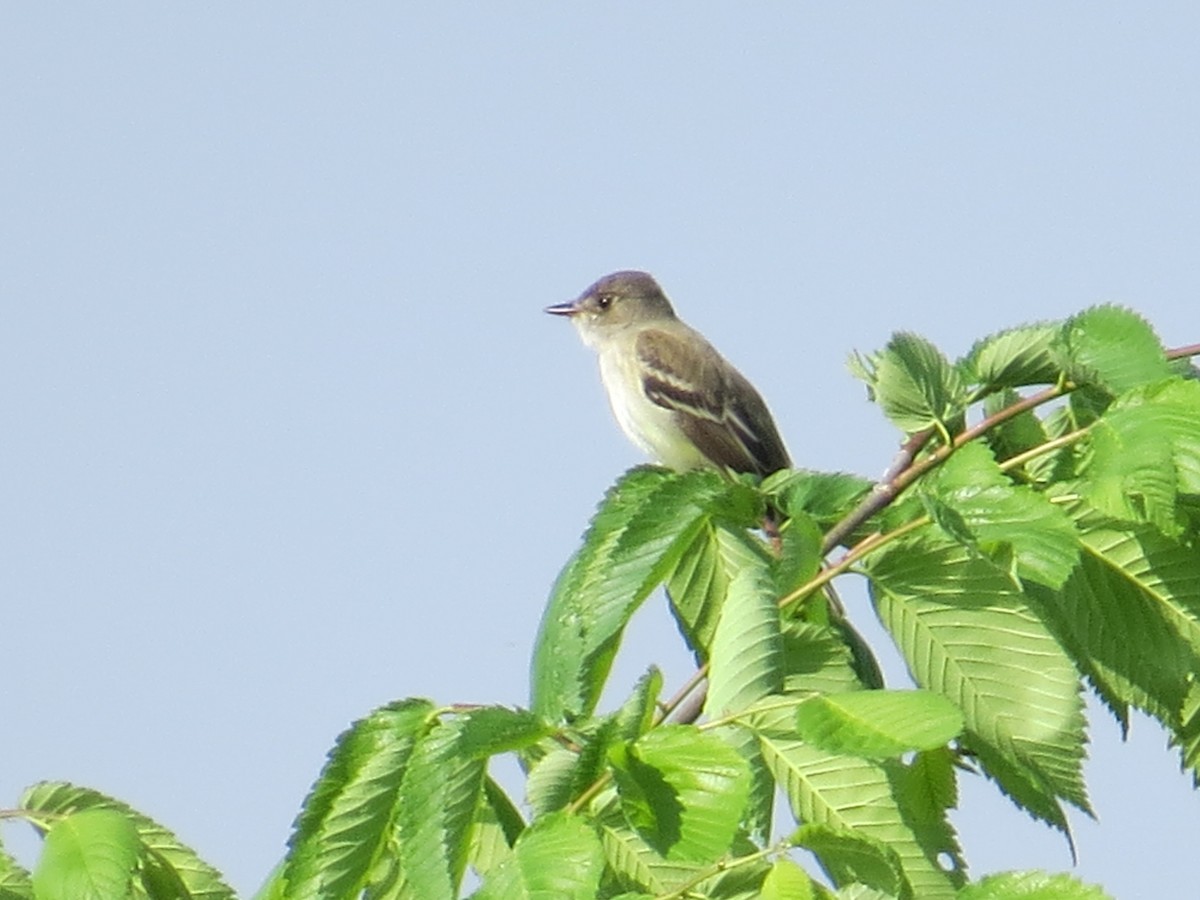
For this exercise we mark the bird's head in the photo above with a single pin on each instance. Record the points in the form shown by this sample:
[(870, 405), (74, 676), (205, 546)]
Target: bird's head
[(615, 302)]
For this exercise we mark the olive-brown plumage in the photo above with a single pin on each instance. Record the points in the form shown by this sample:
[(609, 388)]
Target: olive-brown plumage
[(672, 393)]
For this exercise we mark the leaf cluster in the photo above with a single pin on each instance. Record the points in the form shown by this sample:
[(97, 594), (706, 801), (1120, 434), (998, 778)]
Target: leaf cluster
[(1038, 534), (98, 848)]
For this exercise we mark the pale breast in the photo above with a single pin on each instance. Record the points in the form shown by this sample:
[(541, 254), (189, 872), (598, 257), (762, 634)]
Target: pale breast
[(648, 425)]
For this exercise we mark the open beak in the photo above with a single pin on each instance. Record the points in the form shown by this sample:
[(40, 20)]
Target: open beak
[(564, 309)]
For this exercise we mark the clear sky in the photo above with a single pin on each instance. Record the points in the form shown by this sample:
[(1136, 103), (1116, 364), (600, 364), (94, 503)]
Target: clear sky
[(286, 434)]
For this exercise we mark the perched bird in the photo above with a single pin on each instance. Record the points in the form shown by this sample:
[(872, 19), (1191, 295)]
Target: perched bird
[(673, 394)]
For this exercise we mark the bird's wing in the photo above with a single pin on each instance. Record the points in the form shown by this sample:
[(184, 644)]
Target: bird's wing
[(719, 410)]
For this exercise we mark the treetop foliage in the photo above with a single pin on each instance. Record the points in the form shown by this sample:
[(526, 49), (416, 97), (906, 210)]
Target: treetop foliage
[(1037, 535)]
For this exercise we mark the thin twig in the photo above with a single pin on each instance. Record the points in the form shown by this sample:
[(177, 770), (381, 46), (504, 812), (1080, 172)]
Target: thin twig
[(589, 793), (904, 469), (908, 452), (869, 544), (1181, 352), (682, 694), (725, 865), (885, 492), (689, 711), (1015, 462)]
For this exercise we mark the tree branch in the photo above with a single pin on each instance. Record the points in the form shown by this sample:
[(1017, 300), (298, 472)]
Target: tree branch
[(904, 469)]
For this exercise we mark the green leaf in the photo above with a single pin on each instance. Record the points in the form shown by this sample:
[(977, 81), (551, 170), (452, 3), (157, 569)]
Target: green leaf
[(1187, 736), (345, 820), (1112, 347), (914, 384), (825, 497), (159, 880), (1085, 405), (274, 887), (966, 632), (1131, 616), (637, 713), (862, 658), (926, 790), (1176, 406), (860, 892), (683, 789), (15, 882), (800, 553), (90, 855), (787, 881), (1129, 474), (202, 880), (647, 520), (435, 810), (1002, 519), (563, 773), (760, 802), (1016, 357), (1145, 450), (747, 649), (633, 862), (816, 659), (851, 793), (498, 824), (489, 730), (700, 580), (851, 857), (1032, 886), (558, 856), (506, 814), (634, 866), (1018, 434), (878, 724)]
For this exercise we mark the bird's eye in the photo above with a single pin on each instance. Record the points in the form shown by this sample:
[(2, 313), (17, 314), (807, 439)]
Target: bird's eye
[(604, 301)]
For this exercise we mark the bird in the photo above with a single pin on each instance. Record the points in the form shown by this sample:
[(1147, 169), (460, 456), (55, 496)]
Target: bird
[(672, 393)]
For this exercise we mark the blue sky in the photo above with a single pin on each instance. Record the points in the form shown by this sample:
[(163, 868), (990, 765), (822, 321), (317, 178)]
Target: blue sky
[(287, 435)]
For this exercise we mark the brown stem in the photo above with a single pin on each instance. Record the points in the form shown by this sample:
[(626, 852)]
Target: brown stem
[(900, 474), (677, 702), (688, 712), (885, 492), (1181, 352)]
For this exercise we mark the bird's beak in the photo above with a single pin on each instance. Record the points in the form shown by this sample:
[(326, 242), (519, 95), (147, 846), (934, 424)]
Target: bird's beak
[(564, 309)]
